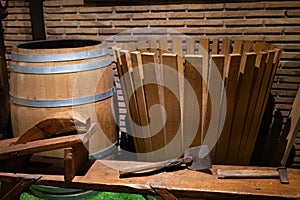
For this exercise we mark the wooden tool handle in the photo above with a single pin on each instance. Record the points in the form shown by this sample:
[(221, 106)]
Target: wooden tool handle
[(149, 167), (247, 173)]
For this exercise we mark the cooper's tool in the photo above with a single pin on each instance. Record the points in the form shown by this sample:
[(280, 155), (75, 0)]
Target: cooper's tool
[(256, 174), (195, 158)]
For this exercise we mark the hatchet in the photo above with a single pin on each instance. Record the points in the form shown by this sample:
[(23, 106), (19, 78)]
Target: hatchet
[(195, 158)]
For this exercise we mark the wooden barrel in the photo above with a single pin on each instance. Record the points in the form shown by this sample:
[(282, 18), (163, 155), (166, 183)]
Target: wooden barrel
[(54, 76)]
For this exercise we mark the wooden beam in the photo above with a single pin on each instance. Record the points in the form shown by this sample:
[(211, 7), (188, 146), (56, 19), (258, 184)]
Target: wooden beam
[(37, 19), (295, 126), (4, 86)]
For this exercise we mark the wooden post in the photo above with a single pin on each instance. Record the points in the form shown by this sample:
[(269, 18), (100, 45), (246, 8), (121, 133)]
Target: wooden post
[(4, 88)]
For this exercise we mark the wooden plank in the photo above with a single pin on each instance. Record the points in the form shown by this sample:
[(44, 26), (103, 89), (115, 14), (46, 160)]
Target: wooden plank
[(177, 46), (294, 128), (192, 74), (178, 49), (226, 46), (204, 45), (258, 108), (217, 63), (190, 46), (204, 51), (153, 46), (274, 66), (231, 85), (238, 46), (137, 75), (4, 86), (44, 145), (130, 99), (142, 46), (104, 176), (244, 93), (13, 191), (75, 158), (248, 46), (260, 64), (215, 46), (152, 97), (163, 47), (172, 105)]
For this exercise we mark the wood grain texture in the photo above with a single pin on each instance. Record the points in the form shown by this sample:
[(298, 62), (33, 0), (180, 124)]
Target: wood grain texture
[(63, 86), (231, 86), (244, 93), (104, 176)]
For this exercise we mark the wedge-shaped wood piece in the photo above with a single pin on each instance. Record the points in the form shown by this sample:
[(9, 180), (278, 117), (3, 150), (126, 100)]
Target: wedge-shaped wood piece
[(57, 123)]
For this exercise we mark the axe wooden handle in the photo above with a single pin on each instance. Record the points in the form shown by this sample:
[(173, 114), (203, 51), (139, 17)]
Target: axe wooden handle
[(247, 173)]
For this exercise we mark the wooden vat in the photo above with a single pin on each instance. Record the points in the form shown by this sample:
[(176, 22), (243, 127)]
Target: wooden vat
[(231, 81), (55, 76)]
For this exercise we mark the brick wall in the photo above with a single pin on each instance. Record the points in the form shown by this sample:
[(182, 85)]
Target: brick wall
[(277, 22)]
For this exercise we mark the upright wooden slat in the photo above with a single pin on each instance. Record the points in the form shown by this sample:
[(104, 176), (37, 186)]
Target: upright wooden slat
[(231, 84), (204, 51), (153, 97), (215, 46), (192, 74), (217, 62), (272, 61), (226, 46), (118, 61), (190, 46), (177, 46), (129, 46), (295, 126), (259, 107), (153, 46), (237, 46), (142, 46), (178, 50), (241, 107), (130, 99), (172, 104), (248, 46), (137, 76), (163, 47), (260, 65), (204, 45)]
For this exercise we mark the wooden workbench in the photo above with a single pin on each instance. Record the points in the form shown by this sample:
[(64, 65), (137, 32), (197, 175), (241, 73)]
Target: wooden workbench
[(182, 183)]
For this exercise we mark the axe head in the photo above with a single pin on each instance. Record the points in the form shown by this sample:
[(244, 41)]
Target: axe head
[(201, 158)]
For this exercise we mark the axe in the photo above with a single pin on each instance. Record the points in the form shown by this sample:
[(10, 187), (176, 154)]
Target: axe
[(195, 158)]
